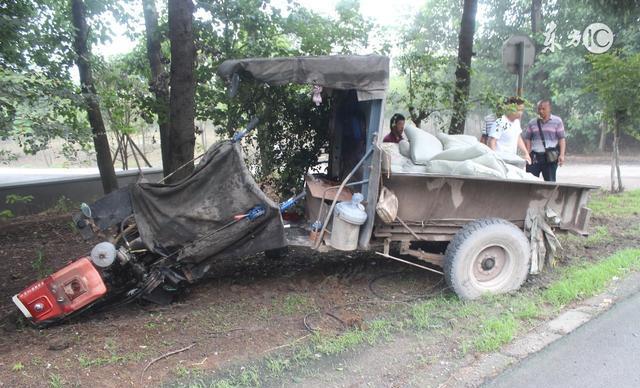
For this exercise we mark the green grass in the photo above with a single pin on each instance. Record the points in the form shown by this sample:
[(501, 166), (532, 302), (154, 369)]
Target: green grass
[(17, 367), (599, 236), (423, 314), (39, 264), (278, 365), (483, 325), (321, 344), (585, 281), (295, 303), (87, 362), (496, 332), (247, 378), (431, 313), (55, 381), (330, 345), (633, 232), (623, 204), (526, 308)]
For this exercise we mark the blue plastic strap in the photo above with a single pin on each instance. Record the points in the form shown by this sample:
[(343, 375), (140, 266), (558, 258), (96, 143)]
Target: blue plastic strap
[(290, 202), (257, 211), (238, 136)]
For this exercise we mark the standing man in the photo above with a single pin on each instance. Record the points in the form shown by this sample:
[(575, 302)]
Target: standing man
[(397, 128), (545, 132), (506, 135)]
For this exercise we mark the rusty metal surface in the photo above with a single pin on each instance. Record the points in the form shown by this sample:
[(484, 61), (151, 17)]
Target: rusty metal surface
[(438, 205), (433, 258)]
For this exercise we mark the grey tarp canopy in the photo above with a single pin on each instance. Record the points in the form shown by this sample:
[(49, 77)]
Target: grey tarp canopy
[(192, 214), (367, 74)]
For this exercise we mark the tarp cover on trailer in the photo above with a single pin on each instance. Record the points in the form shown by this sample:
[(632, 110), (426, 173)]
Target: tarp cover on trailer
[(195, 214), (367, 74)]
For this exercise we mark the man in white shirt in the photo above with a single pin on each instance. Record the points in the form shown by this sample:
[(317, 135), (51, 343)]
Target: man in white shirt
[(506, 135)]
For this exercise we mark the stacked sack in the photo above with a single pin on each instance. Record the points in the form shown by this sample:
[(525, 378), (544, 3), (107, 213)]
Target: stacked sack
[(450, 155)]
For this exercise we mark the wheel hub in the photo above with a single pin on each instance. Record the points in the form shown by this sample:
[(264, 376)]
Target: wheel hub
[(488, 263)]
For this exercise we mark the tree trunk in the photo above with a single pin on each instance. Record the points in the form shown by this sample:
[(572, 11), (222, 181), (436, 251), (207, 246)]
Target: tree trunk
[(463, 78), (159, 81), (540, 75), (536, 16), (418, 116), (604, 128), (182, 94), (616, 179), (100, 140)]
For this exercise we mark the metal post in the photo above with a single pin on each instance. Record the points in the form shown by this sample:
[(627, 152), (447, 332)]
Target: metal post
[(520, 51)]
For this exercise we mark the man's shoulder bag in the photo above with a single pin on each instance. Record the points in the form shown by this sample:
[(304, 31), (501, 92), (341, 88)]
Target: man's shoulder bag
[(551, 154)]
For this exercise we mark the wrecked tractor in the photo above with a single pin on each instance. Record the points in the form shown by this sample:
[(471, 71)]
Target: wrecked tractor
[(160, 238), (484, 229)]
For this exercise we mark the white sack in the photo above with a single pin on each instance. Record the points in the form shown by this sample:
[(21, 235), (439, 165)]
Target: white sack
[(517, 173), (490, 160), (512, 159), (405, 148), (423, 144), (393, 161), (456, 141), (471, 168), (463, 153)]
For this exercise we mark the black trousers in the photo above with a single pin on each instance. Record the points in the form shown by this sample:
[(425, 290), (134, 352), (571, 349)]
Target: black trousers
[(539, 165)]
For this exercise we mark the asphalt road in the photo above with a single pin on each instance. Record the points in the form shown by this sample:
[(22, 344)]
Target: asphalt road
[(598, 174), (604, 352)]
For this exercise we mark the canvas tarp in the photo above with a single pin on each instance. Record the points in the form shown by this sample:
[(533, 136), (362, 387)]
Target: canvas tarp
[(367, 74), (192, 217)]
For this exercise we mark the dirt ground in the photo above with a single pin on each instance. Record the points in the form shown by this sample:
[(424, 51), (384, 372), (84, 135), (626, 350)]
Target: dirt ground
[(247, 311)]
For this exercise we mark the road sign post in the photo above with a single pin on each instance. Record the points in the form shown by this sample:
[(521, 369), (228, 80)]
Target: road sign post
[(518, 54)]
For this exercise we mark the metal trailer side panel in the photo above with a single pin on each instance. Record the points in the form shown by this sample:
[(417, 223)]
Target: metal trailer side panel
[(438, 205)]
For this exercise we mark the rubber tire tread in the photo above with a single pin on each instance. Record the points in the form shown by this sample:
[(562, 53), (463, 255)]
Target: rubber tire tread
[(453, 250)]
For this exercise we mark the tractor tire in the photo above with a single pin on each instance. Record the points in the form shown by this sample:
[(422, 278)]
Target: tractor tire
[(487, 256)]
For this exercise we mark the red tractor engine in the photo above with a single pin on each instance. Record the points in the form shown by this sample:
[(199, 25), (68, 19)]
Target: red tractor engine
[(68, 290)]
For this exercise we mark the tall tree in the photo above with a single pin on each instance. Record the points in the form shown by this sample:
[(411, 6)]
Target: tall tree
[(183, 84), (615, 78), (228, 29), (429, 85), (83, 55), (159, 80), (463, 70), (536, 16)]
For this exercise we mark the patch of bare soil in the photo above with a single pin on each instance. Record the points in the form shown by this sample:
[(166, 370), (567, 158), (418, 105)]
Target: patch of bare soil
[(250, 309)]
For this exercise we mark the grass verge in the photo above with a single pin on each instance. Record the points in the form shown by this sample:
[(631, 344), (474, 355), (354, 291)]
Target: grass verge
[(617, 205), (584, 281), (484, 325)]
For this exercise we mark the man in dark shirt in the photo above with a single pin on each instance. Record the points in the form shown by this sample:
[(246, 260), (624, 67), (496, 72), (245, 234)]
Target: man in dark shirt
[(397, 128)]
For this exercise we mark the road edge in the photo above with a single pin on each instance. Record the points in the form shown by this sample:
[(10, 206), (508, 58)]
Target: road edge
[(490, 365)]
